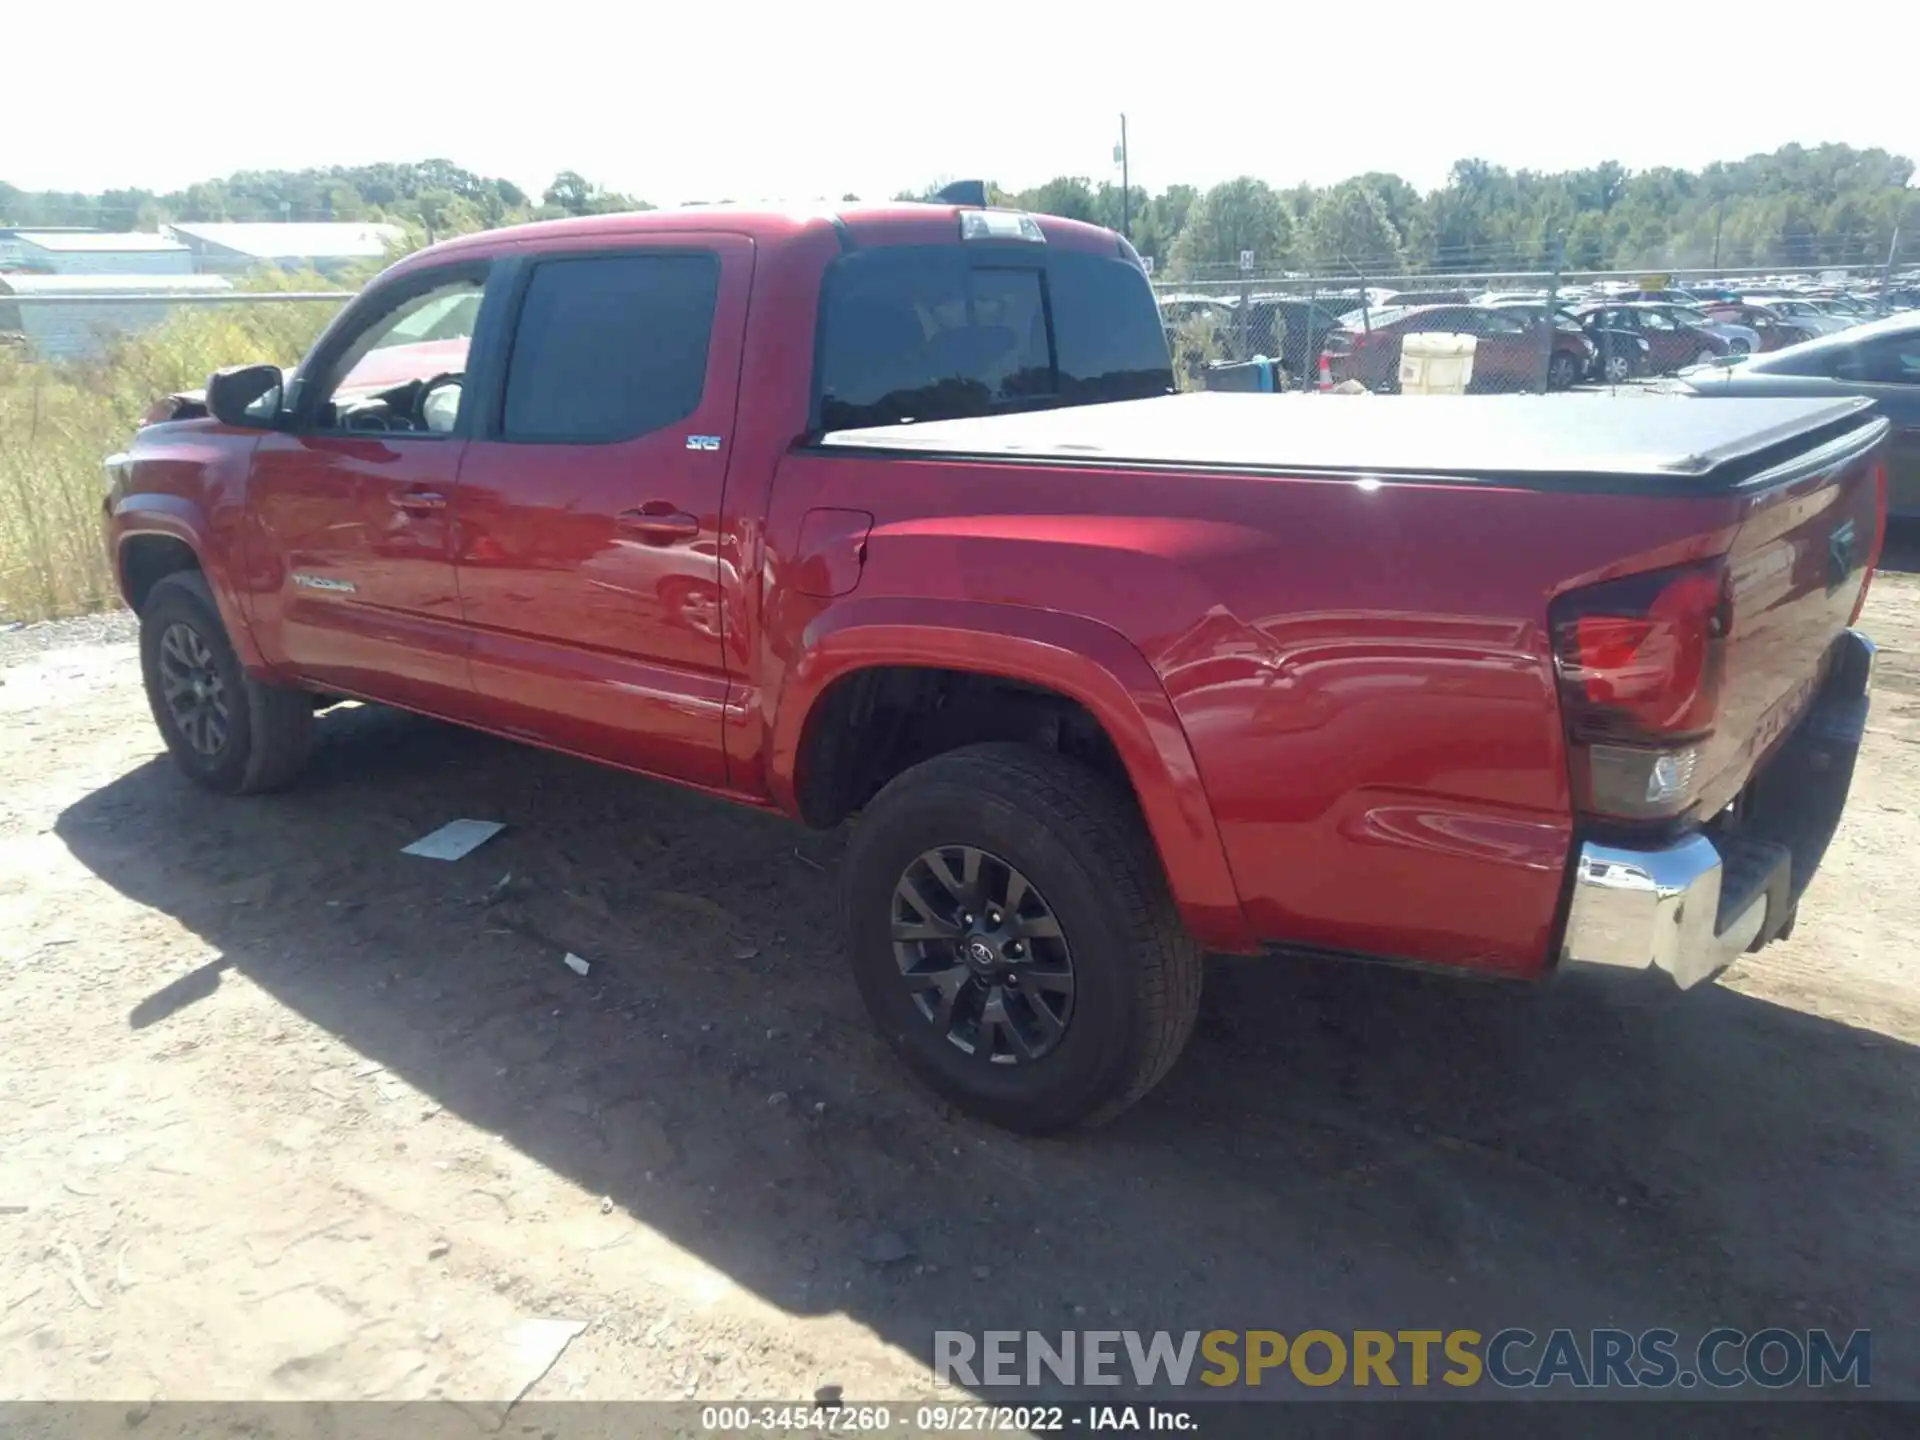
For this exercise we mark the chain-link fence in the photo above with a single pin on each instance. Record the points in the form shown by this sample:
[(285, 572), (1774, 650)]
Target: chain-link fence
[(1513, 332)]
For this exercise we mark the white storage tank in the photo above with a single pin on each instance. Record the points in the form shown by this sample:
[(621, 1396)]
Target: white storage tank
[(1436, 364)]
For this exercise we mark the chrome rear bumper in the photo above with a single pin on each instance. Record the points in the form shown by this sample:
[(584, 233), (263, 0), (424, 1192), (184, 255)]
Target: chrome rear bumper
[(1692, 907), (1659, 909)]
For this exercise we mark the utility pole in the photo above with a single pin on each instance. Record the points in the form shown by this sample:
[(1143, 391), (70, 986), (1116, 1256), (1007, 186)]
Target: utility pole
[(1548, 327), (1126, 191), (1719, 215), (1886, 274)]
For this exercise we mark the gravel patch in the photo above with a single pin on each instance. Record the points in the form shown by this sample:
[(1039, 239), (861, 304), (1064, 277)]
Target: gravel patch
[(115, 627)]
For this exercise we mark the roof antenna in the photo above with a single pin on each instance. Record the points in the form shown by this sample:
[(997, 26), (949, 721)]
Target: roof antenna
[(964, 192)]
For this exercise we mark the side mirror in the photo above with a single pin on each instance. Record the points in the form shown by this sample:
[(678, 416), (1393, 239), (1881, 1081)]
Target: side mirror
[(247, 397)]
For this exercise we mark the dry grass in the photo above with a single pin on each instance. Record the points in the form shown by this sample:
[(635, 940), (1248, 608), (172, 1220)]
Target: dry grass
[(59, 421)]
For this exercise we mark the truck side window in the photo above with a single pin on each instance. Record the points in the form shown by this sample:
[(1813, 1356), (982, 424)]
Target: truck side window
[(1108, 347), (610, 347), (942, 332), (398, 359)]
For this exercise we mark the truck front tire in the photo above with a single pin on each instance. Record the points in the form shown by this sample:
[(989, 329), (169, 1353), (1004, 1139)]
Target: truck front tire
[(228, 732), (1013, 937)]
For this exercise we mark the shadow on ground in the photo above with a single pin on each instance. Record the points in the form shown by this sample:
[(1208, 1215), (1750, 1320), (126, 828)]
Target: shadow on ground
[(1901, 552), (1341, 1147)]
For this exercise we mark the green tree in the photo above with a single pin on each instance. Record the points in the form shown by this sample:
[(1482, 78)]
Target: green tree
[(572, 192), (1239, 215), (1349, 230), (1158, 223), (1068, 196), (1799, 206)]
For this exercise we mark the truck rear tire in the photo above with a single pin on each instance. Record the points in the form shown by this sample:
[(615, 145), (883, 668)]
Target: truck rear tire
[(228, 732), (1013, 938)]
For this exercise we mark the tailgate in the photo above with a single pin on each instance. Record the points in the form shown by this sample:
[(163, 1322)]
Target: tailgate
[(1798, 572)]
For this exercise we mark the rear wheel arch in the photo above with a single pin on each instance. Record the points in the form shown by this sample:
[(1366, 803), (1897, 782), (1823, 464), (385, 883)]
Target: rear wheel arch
[(876, 721), (1088, 681)]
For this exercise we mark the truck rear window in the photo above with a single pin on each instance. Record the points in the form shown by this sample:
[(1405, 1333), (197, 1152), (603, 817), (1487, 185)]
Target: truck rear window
[(941, 332)]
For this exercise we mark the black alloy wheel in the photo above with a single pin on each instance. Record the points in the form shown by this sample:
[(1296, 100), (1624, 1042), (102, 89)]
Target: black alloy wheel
[(192, 687), (229, 731), (983, 955), (1012, 934)]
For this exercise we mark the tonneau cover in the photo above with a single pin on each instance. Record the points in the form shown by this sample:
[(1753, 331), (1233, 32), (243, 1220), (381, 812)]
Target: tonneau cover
[(1631, 436)]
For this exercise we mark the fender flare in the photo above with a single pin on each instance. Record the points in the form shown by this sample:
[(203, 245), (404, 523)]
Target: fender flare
[(177, 518), (1081, 659)]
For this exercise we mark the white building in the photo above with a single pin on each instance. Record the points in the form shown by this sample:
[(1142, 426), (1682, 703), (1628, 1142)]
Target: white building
[(327, 245), (64, 326), (99, 252)]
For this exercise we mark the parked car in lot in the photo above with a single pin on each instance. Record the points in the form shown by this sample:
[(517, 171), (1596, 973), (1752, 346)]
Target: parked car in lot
[(1741, 339), (1178, 309), (1614, 356), (1850, 308), (1401, 300), (1301, 325), (1281, 327), (1506, 356), (1879, 360), (1670, 343), (887, 514), (1802, 313), (1619, 355), (1775, 332), (1575, 353)]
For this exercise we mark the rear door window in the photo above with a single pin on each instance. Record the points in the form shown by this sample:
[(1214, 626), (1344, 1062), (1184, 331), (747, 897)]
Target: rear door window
[(940, 332), (610, 347), (1894, 360)]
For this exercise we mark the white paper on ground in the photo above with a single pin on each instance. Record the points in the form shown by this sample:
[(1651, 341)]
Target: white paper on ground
[(454, 839), (576, 964)]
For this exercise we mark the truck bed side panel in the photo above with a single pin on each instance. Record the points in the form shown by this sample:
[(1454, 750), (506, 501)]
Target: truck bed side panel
[(1361, 668)]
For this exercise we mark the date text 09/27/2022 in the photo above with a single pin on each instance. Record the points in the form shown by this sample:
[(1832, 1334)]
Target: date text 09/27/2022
[(977, 1419)]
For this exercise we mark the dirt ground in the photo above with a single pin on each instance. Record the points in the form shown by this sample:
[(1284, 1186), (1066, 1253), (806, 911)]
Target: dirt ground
[(287, 1114)]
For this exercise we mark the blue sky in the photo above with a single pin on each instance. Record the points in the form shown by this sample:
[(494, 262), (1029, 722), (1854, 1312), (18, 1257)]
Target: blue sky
[(690, 101)]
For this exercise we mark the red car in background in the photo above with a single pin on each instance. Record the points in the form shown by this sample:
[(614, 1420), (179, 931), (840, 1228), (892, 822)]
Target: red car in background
[(1775, 332), (1672, 344), (1506, 358)]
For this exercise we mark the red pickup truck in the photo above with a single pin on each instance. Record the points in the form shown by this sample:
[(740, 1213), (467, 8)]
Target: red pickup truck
[(889, 512)]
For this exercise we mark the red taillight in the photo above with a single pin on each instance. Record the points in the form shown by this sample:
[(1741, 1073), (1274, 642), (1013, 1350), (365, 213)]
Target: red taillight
[(1879, 538), (1640, 658), (1640, 662)]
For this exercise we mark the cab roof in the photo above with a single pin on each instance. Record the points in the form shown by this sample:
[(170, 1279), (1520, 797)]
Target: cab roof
[(888, 223)]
